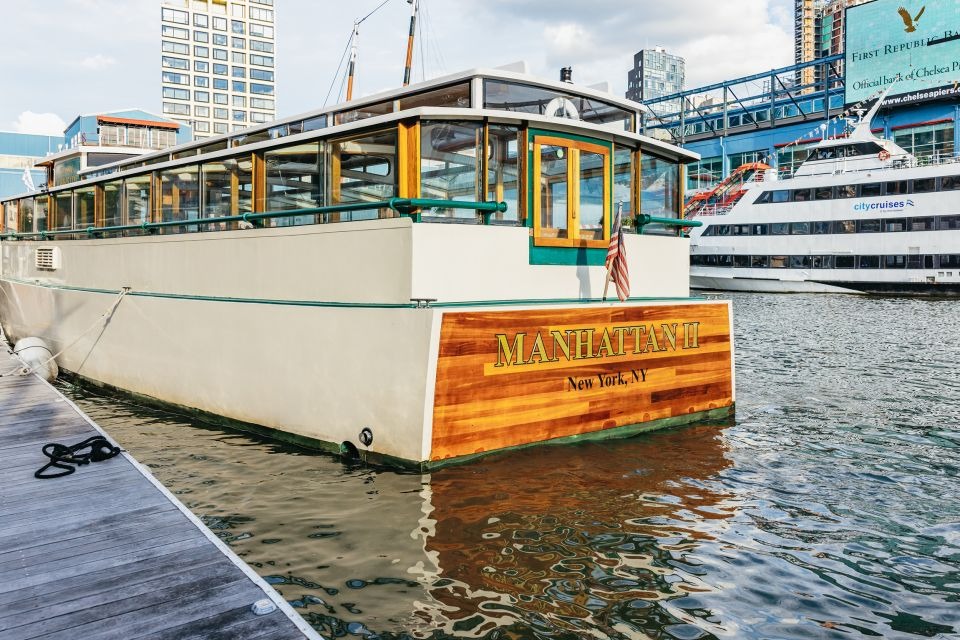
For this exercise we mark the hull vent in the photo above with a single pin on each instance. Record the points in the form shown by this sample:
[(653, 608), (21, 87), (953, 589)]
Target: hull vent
[(48, 258)]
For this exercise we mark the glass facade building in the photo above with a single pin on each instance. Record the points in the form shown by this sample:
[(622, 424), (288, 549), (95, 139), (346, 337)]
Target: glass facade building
[(656, 73), (218, 60)]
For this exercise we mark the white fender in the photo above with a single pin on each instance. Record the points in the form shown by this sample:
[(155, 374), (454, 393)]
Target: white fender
[(36, 355)]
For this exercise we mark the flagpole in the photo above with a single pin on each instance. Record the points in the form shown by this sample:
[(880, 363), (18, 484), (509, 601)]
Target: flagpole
[(609, 263)]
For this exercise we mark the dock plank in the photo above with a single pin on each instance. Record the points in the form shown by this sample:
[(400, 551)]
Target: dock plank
[(106, 552)]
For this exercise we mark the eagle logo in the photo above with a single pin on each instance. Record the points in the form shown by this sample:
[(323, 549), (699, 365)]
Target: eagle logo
[(908, 21)]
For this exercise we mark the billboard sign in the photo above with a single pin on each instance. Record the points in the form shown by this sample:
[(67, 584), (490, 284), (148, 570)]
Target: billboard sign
[(915, 43)]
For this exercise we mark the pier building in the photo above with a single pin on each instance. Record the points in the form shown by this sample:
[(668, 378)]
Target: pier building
[(218, 60)]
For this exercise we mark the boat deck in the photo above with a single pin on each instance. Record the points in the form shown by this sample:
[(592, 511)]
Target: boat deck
[(107, 552)]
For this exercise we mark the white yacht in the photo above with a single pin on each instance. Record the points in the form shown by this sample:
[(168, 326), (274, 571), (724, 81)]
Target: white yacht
[(860, 215)]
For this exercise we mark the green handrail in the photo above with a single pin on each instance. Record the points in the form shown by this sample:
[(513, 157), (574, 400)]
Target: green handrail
[(403, 206)]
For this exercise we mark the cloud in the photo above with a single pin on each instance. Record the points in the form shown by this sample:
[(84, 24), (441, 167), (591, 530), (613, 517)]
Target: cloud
[(46, 124), (97, 62)]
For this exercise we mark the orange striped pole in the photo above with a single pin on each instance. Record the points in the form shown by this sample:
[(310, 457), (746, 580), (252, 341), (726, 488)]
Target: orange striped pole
[(353, 60), (413, 27)]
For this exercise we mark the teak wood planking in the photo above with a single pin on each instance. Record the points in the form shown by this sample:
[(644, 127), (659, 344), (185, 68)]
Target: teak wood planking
[(510, 378)]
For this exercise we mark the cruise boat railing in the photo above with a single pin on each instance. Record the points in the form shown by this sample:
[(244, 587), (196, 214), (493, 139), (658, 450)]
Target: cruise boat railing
[(410, 207), (899, 161)]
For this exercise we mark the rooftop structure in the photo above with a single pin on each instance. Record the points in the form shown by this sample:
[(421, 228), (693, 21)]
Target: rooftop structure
[(218, 63)]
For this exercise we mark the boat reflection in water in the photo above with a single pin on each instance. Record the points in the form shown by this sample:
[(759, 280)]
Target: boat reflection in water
[(572, 539)]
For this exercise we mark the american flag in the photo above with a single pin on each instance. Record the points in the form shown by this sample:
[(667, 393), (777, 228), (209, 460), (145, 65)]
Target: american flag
[(617, 259)]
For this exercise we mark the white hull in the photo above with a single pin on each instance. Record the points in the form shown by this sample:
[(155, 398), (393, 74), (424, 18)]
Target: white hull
[(764, 285)]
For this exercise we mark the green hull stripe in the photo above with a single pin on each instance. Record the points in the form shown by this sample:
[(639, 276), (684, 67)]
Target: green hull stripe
[(348, 305)]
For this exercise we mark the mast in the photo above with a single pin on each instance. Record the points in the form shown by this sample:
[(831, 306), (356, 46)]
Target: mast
[(413, 25), (353, 59)]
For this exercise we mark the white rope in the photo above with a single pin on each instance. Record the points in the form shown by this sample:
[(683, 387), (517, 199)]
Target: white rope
[(25, 371)]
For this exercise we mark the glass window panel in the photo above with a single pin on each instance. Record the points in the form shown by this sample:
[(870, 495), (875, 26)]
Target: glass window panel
[(449, 165), (26, 216), (870, 190), (457, 95), (553, 192), (180, 196), (591, 191), (294, 181), (113, 203), (623, 162), (660, 191), (227, 189), (924, 185), (364, 171), (85, 207), (512, 96), (137, 197), (41, 208), (62, 211)]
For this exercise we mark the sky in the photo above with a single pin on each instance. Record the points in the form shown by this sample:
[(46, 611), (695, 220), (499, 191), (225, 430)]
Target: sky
[(62, 58)]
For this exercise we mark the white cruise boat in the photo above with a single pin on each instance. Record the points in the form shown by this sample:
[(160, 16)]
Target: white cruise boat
[(418, 276), (860, 215)]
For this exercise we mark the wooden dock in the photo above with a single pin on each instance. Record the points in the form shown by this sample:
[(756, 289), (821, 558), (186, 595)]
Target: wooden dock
[(108, 552)]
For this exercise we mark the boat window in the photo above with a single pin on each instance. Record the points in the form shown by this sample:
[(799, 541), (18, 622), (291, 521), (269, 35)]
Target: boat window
[(113, 203), (741, 261), (41, 207), (868, 148), (741, 229), (894, 262), (801, 195), (868, 226), (449, 165), (799, 228), (62, 211), (315, 123), (137, 197), (822, 227), (725, 261), (624, 161), (800, 262), (179, 196), (592, 192), (760, 262), (869, 262), (85, 204), (66, 171), (920, 224), (924, 185), (760, 230), (949, 183), (219, 145), (554, 187), (823, 262), (950, 261), (457, 95), (894, 224), (763, 198), (870, 190), (512, 96), (847, 191), (10, 216), (227, 189), (293, 181), (779, 262), (721, 230), (366, 111), (845, 226), (503, 171), (897, 188), (844, 262), (363, 169), (781, 195), (660, 191), (823, 193), (946, 222), (779, 228)]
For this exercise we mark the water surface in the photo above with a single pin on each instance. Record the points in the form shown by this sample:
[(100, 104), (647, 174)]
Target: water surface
[(828, 509)]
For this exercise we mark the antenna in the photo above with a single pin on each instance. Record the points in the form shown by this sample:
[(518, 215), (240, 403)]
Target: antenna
[(413, 25), (353, 59)]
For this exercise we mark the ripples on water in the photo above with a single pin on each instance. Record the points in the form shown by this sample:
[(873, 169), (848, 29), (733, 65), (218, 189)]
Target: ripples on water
[(829, 510)]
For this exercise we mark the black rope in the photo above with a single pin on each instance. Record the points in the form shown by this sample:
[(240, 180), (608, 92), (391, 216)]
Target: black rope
[(62, 456)]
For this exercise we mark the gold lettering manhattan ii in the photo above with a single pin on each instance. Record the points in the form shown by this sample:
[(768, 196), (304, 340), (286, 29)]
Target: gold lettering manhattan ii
[(523, 349)]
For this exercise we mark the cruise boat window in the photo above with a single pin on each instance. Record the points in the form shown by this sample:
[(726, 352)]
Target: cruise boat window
[(721, 230), (871, 189), (450, 165), (10, 216), (660, 190), (822, 227), (62, 211), (847, 191), (823, 193), (137, 200), (366, 111), (949, 183), (844, 262), (779, 262), (760, 262), (869, 262), (800, 262), (895, 262), (894, 224), (179, 196), (950, 261), (41, 207), (554, 187), (925, 185), (799, 228), (782, 195), (293, 181), (897, 188), (779, 228), (920, 224), (227, 189), (845, 226), (503, 171), (915, 261), (363, 169), (741, 229), (822, 262), (113, 203), (624, 161), (801, 195), (949, 222), (85, 204), (592, 193), (457, 95), (868, 226), (741, 261), (759, 230), (513, 96)]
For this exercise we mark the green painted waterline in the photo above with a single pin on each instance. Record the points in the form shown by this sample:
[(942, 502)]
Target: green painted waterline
[(352, 305)]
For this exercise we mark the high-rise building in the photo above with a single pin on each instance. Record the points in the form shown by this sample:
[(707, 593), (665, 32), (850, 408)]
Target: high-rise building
[(218, 61), (655, 74), (818, 32)]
